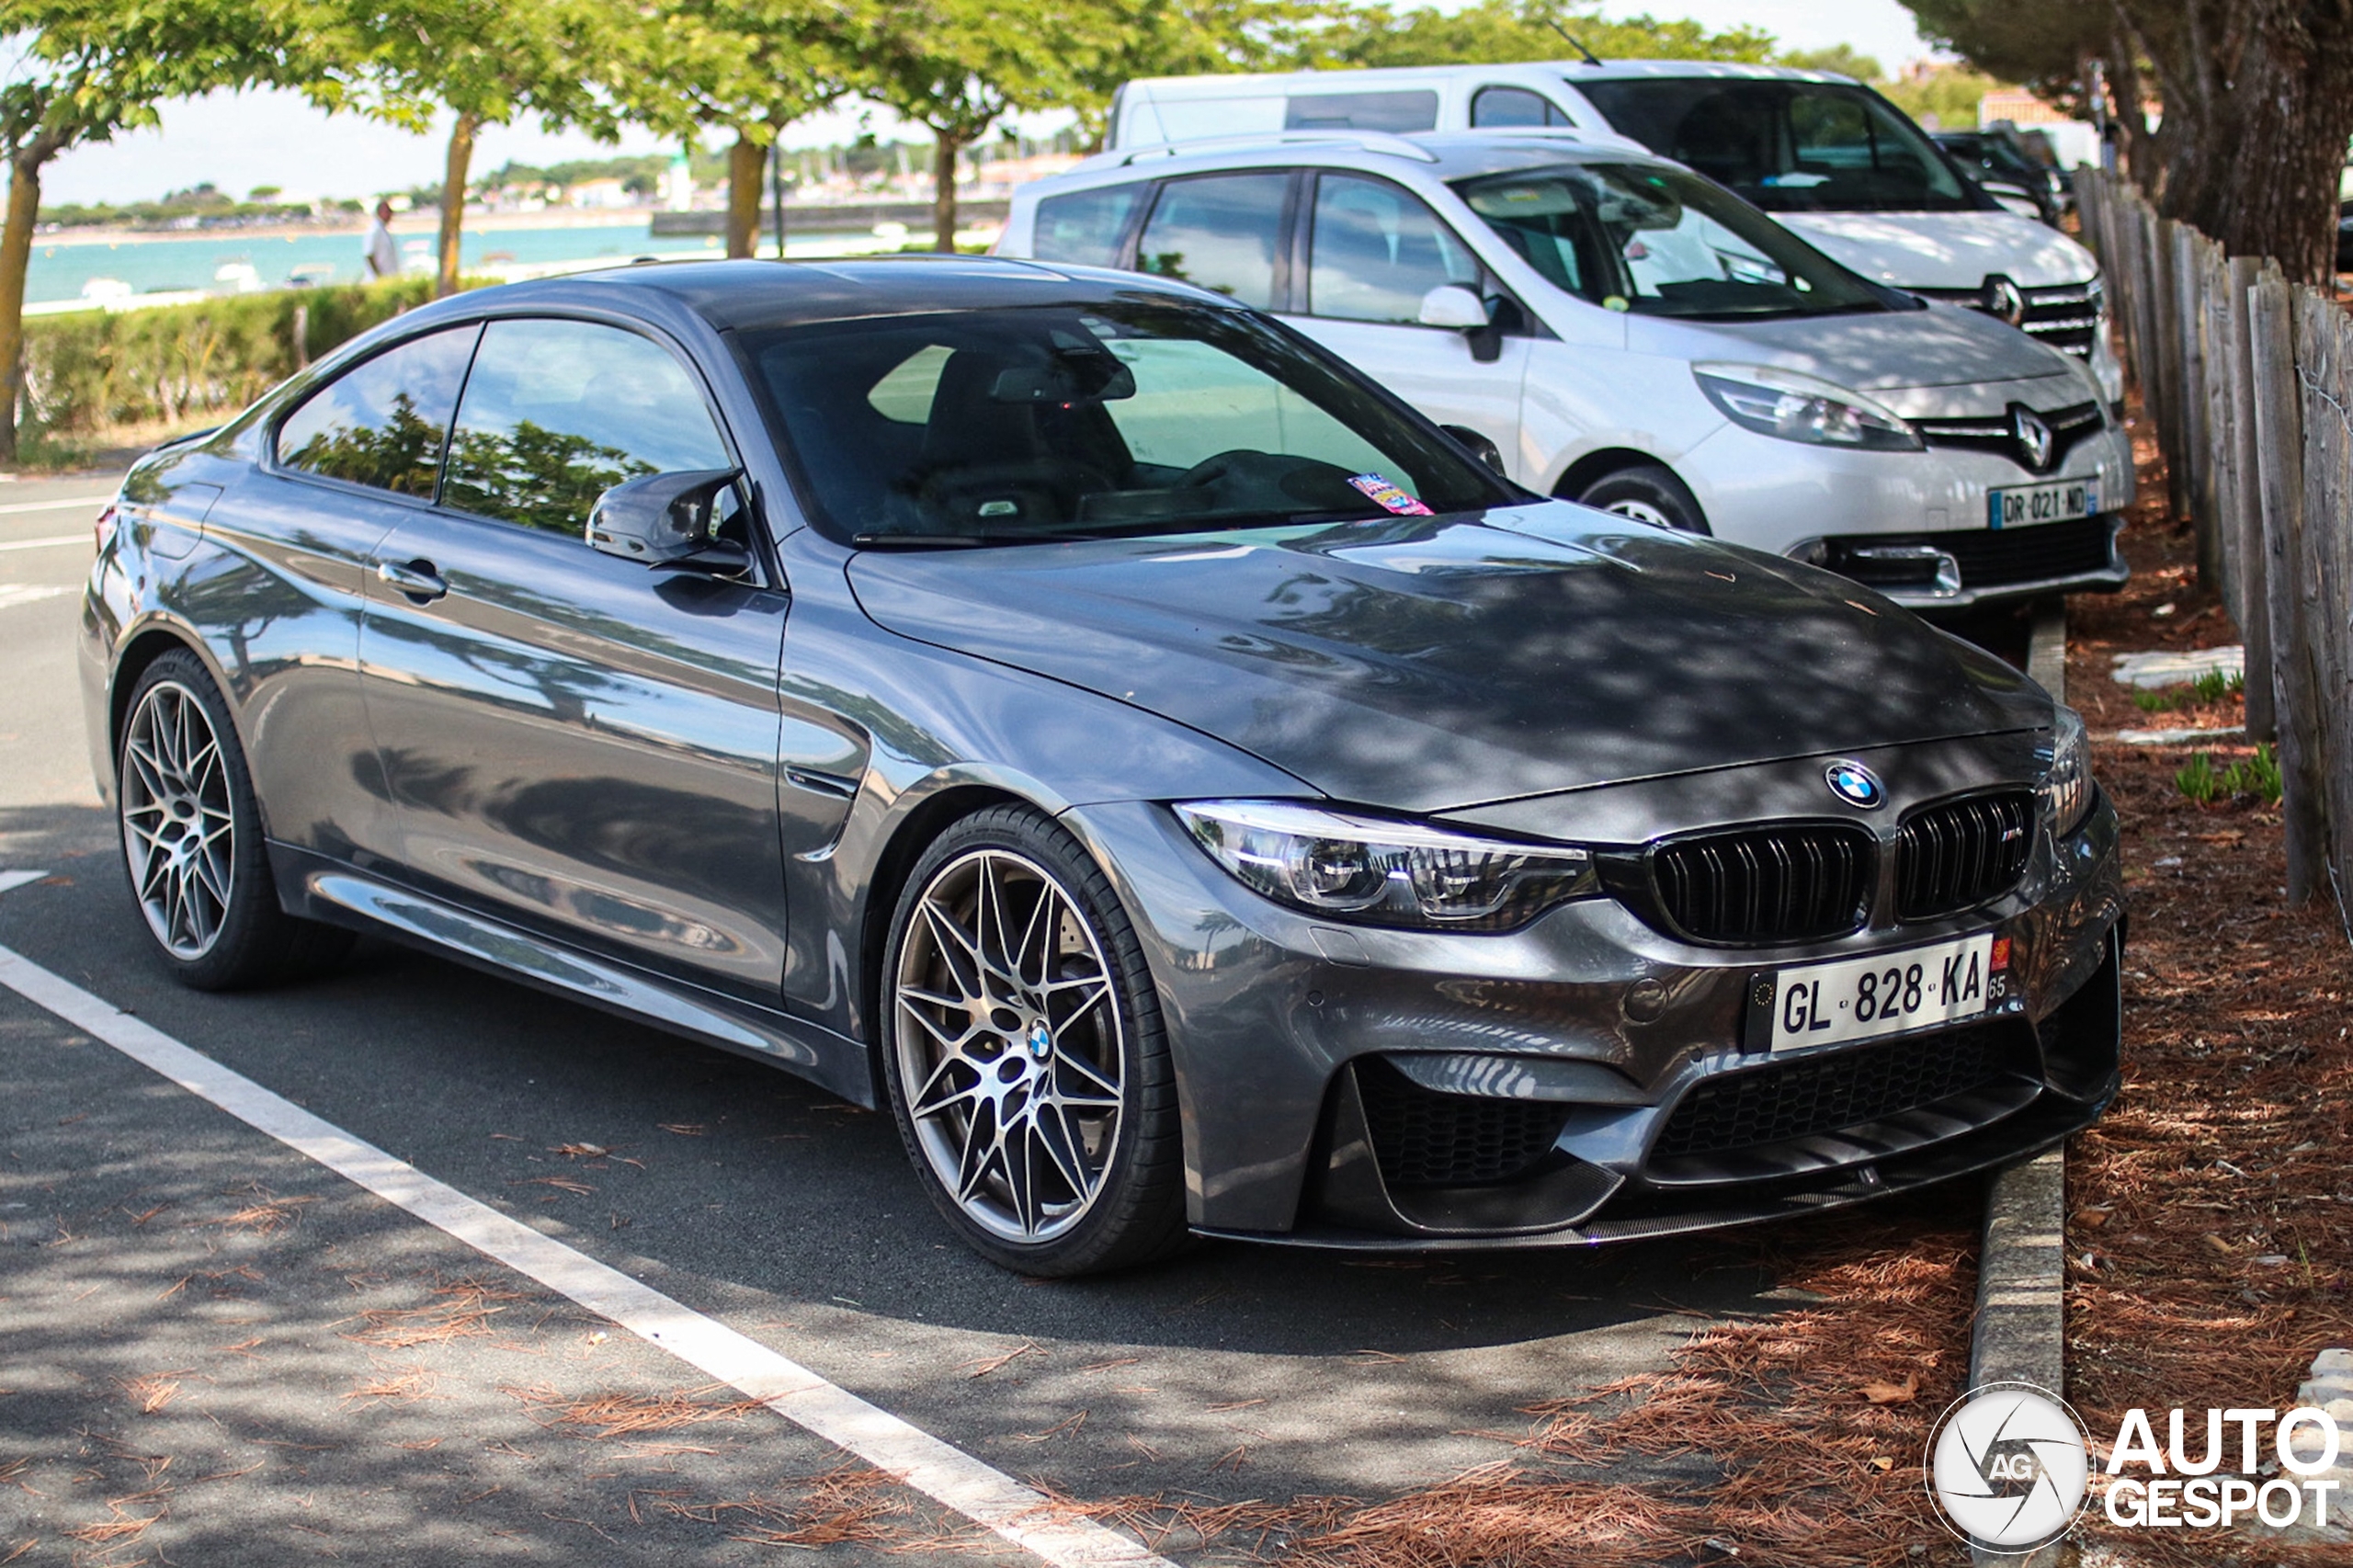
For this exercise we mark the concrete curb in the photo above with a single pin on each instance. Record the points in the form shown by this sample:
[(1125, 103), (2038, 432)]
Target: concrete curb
[(2020, 1332)]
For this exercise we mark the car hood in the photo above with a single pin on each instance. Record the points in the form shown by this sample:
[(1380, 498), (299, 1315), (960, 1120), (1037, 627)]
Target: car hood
[(1945, 250), (1426, 664), (1943, 346)]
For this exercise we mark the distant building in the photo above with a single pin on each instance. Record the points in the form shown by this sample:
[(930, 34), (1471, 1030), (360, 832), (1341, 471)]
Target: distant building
[(598, 193)]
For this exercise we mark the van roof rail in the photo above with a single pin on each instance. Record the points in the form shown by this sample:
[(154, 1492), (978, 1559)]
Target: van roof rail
[(1370, 140)]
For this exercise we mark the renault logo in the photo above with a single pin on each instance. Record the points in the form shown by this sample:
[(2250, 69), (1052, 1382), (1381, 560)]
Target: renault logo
[(1855, 784), (2004, 299), (2035, 440)]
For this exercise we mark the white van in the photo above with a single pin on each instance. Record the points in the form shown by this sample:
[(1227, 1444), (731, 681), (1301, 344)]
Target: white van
[(1608, 326), (1824, 153)]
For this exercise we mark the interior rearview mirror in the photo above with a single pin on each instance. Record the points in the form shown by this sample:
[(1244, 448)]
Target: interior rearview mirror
[(666, 519), (1477, 445)]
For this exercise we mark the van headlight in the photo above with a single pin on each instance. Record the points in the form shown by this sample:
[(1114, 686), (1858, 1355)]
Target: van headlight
[(1791, 407), (2067, 776), (1386, 872)]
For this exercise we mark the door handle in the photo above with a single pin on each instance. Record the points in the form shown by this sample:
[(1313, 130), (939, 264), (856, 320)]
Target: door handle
[(420, 580)]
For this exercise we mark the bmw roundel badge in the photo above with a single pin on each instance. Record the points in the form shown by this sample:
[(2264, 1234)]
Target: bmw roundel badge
[(1855, 784)]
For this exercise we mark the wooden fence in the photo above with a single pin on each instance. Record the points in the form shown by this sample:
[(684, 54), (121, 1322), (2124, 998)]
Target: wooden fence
[(2248, 379)]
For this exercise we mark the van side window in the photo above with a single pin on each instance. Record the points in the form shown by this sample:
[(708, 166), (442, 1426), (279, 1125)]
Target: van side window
[(1378, 250), (1084, 226), (1515, 106), (1219, 233), (1397, 113), (383, 421)]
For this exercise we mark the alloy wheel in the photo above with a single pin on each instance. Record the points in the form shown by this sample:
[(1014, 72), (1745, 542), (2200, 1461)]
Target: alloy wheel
[(1011, 1045), (1642, 512), (178, 823)]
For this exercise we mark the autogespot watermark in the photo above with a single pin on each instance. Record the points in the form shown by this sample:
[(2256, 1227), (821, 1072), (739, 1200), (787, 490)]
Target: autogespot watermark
[(2009, 1468)]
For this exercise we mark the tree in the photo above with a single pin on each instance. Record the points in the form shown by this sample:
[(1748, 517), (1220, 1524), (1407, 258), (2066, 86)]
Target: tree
[(1839, 60), (488, 62), (77, 72), (1495, 30), (2257, 96), (748, 66)]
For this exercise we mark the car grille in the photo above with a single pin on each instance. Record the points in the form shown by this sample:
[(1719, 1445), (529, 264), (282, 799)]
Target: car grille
[(2066, 316), (1956, 856), (1422, 1138), (1809, 1096), (1790, 882), (1994, 433), (1988, 557)]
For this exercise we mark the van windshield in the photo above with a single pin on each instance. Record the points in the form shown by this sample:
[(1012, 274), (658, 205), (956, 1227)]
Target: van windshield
[(1661, 242), (1787, 146)]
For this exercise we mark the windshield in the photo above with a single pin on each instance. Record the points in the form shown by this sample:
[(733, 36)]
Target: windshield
[(1661, 242), (1786, 146), (1060, 422)]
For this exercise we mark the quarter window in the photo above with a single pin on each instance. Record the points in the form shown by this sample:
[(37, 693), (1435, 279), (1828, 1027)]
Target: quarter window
[(1378, 250), (1221, 233), (383, 422), (1515, 106), (1399, 113), (557, 412), (1084, 226)]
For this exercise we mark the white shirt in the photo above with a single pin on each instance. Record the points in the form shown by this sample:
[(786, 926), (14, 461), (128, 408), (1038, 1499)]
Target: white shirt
[(383, 254)]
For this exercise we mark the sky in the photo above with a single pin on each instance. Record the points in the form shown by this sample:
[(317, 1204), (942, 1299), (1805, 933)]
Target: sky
[(242, 141)]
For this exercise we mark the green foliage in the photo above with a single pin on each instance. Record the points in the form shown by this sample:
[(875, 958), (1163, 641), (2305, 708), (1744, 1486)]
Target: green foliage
[(1839, 59), (2255, 777), (204, 203), (91, 371), (1950, 94), (2212, 686), (1496, 31)]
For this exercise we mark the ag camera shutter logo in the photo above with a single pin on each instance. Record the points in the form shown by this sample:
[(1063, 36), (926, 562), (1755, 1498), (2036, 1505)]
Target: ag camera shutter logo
[(2009, 1466)]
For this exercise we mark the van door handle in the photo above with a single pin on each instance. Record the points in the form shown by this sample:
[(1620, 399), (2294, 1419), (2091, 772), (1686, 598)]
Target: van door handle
[(420, 580)]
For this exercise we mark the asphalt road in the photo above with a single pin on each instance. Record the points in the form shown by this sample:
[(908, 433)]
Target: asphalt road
[(213, 1351)]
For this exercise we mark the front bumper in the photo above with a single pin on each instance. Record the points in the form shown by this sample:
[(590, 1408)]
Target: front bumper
[(1338, 1084)]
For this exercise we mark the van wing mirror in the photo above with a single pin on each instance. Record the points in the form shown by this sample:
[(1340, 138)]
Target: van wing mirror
[(1455, 307), (662, 519)]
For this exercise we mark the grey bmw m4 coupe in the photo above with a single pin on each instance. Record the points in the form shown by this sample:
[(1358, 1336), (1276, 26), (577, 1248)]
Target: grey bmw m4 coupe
[(1194, 793)]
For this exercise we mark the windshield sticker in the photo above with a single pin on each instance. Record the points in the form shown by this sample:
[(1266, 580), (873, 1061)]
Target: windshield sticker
[(1387, 493)]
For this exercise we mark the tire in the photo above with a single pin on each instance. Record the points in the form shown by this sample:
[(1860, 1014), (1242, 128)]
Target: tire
[(1648, 494), (192, 841), (1038, 1104)]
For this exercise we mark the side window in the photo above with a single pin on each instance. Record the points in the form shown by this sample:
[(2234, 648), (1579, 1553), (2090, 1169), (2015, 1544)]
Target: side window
[(1086, 225), (557, 412), (383, 421), (1377, 251), (1400, 113), (1219, 231), (1515, 106)]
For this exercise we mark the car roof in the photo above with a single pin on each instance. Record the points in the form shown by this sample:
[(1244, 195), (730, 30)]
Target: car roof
[(1441, 155), (1344, 78), (754, 295), (1621, 69)]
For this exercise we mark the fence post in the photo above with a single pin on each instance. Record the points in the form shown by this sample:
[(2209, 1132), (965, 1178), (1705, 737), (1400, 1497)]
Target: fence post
[(2191, 460), (2219, 490), (2148, 356), (2328, 379), (2279, 441), (2245, 511)]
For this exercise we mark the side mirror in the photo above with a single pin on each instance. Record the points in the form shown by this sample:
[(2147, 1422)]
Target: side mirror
[(1455, 307), (1477, 445), (664, 519)]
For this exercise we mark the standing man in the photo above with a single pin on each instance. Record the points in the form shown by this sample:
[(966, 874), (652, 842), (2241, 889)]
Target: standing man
[(383, 257)]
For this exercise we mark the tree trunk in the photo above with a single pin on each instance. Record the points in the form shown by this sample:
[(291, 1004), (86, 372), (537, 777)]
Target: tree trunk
[(746, 161), (943, 190), (16, 257), (453, 199)]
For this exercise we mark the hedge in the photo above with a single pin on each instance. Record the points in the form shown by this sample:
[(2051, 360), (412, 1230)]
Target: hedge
[(91, 371)]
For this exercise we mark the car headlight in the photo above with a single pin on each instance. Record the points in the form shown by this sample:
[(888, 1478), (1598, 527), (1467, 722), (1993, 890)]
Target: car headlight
[(1791, 407), (2067, 777), (1385, 872)]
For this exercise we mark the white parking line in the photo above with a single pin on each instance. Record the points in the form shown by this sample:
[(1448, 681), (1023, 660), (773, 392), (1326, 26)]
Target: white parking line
[(940, 1471), (47, 542), (13, 593), (67, 504)]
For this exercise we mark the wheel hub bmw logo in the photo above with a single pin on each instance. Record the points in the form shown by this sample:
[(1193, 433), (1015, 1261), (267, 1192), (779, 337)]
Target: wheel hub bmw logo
[(1855, 784), (1041, 1041)]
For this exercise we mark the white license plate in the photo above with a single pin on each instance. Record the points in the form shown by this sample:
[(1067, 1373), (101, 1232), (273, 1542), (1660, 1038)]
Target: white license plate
[(2026, 505), (1825, 1003)]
